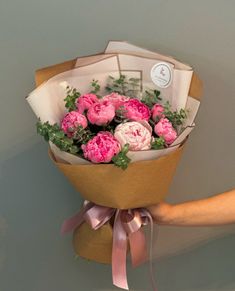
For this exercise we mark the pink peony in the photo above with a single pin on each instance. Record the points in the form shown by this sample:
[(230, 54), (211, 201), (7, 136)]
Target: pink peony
[(136, 110), (85, 101), (165, 129), (157, 111), (71, 121), (101, 148), (137, 135), (116, 99), (101, 113)]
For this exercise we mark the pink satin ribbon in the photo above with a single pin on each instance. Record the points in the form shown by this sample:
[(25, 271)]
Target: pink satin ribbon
[(127, 226)]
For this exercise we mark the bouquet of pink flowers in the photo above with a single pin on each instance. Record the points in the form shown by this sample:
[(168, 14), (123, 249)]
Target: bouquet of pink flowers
[(102, 129), (126, 108)]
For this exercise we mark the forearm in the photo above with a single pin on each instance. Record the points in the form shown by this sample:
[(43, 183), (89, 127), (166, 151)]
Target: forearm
[(216, 210)]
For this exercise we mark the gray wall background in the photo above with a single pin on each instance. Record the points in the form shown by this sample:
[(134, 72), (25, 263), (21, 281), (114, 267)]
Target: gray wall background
[(35, 197)]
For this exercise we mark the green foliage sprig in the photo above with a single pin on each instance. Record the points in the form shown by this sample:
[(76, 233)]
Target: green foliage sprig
[(54, 134), (123, 86), (158, 143), (71, 98), (134, 87), (121, 160), (175, 117), (95, 87), (151, 97), (82, 135)]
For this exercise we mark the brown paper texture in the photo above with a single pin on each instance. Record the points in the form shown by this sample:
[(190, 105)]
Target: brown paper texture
[(142, 184), (95, 245)]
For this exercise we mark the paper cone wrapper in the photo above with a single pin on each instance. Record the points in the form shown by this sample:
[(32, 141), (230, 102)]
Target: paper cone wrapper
[(142, 184), (95, 245)]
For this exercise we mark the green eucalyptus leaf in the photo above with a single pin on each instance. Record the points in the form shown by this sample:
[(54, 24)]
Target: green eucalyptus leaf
[(121, 160), (71, 98), (175, 117), (158, 143), (124, 86), (54, 134)]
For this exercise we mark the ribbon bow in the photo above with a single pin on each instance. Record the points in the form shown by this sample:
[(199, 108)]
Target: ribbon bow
[(127, 226)]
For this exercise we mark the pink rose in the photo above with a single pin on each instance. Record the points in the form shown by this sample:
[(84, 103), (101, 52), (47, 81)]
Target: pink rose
[(116, 99), (71, 121), (136, 110), (101, 148), (101, 113), (137, 135), (85, 101), (165, 129), (157, 111)]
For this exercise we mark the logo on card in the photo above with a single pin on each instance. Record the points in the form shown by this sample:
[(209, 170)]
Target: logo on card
[(161, 75)]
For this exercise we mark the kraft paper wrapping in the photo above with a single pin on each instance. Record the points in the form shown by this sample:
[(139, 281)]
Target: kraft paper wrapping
[(142, 184), (95, 245)]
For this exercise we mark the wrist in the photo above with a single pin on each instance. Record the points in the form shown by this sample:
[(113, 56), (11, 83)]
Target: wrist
[(163, 213)]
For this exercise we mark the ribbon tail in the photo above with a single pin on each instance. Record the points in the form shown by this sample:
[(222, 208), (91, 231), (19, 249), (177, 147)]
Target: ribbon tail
[(119, 254), (153, 282), (138, 248)]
